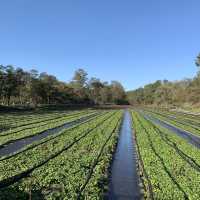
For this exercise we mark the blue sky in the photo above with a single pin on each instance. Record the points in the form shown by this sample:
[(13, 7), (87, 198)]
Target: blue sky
[(133, 41)]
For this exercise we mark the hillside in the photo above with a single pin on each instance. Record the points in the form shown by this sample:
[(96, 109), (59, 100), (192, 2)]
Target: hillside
[(184, 93)]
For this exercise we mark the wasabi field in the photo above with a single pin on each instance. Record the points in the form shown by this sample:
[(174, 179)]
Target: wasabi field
[(133, 153)]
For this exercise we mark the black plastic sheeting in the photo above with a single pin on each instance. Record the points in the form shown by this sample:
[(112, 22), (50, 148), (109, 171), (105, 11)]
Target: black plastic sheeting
[(191, 138), (17, 145), (124, 180)]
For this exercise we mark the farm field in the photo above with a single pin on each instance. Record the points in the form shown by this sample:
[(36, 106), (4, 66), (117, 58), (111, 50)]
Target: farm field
[(99, 100), (184, 121), (92, 154), (169, 164), (68, 165)]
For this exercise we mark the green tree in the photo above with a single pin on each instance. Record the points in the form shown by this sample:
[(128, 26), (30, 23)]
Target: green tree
[(197, 62), (118, 92), (95, 87), (79, 84)]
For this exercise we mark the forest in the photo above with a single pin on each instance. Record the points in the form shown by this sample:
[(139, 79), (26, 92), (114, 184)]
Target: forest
[(31, 88), (184, 93)]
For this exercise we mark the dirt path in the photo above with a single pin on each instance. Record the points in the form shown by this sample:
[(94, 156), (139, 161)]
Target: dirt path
[(124, 183)]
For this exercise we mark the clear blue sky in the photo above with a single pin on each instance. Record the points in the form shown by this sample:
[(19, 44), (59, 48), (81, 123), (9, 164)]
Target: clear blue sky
[(133, 41)]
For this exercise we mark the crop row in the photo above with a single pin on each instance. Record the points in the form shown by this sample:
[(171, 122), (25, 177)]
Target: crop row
[(22, 117), (188, 116), (170, 167), (178, 116), (44, 121), (51, 143), (180, 123), (49, 136), (36, 119), (32, 130), (13, 122), (71, 166), (34, 156)]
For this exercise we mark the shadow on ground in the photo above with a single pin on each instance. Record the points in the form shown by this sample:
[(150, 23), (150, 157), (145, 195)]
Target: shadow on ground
[(13, 193)]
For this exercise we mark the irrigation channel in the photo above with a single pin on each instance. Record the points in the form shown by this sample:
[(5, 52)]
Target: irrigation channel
[(124, 180), (19, 144), (191, 138)]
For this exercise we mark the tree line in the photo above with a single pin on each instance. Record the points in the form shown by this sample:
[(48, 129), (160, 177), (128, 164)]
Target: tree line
[(21, 87), (164, 93), (30, 88)]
